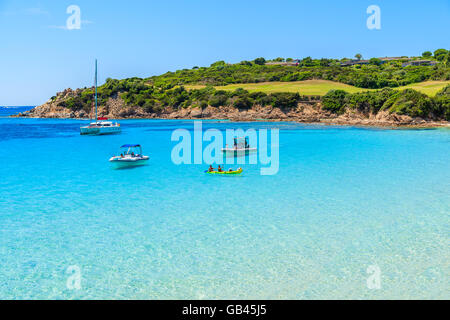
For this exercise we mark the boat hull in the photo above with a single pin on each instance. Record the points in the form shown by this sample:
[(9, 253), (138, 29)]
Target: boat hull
[(226, 172), (119, 162), (100, 130), (238, 152)]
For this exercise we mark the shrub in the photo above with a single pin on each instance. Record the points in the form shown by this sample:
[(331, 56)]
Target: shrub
[(218, 100), (368, 102), (243, 102), (335, 100), (260, 61), (442, 103), (286, 100), (410, 102)]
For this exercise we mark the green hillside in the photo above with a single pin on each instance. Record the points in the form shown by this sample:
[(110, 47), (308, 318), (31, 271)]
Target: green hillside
[(250, 83)]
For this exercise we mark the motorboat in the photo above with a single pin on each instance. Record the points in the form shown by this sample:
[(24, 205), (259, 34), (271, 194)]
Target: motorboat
[(240, 147), (129, 155)]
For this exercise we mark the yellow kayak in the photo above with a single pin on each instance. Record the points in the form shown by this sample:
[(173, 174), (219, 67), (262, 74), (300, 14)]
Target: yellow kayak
[(225, 172)]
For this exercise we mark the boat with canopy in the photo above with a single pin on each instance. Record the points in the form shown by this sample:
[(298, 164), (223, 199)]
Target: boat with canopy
[(129, 155)]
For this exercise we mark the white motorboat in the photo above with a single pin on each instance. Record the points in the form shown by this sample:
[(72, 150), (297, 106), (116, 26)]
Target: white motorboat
[(100, 127), (240, 148), (130, 155)]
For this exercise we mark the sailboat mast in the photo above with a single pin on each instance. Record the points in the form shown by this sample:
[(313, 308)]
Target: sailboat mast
[(96, 117)]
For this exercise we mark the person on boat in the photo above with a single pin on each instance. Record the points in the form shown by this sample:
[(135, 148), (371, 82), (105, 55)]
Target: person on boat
[(231, 170), (121, 155), (220, 169), (132, 154), (210, 169)]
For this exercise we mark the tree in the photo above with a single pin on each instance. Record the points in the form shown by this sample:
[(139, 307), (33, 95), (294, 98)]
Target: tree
[(245, 63), (260, 61), (218, 63), (325, 62), (376, 62), (440, 54), (358, 56), (427, 54), (307, 62)]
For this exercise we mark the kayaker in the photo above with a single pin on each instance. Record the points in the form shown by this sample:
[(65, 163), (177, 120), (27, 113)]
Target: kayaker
[(220, 169), (211, 169)]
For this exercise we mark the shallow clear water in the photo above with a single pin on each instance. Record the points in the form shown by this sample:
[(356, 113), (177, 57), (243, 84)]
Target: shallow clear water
[(344, 199)]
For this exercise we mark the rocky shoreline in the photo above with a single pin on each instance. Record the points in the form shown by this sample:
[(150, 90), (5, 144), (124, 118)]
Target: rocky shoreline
[(306, 112)]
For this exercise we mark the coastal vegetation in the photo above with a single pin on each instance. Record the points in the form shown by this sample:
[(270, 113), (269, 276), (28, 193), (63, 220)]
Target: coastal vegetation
[(369, 88), (406, 102), (375, 74)]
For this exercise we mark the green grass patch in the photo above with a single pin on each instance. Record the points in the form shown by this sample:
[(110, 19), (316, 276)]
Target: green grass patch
[(320, 87)]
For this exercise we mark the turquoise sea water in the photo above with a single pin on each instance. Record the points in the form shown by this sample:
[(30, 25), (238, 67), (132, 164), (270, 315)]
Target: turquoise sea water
[(344, 199)]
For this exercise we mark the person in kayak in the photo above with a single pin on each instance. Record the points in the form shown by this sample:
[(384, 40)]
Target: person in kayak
[(210, 169), (220, 169)]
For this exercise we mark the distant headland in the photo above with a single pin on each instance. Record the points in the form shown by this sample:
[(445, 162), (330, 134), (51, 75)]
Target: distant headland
[(388, 91)]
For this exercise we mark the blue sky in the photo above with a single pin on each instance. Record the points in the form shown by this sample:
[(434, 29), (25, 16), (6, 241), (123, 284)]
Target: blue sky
[(39, 56)]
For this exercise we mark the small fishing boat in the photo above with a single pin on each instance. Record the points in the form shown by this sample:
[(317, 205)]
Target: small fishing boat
[(240, 148), (100, 127), (130, 155), (238, 171)]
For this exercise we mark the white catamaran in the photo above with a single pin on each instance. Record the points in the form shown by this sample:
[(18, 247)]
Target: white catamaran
[(100, 127)]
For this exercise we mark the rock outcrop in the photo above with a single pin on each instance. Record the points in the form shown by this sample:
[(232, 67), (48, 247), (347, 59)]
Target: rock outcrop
[(308, 112)]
